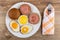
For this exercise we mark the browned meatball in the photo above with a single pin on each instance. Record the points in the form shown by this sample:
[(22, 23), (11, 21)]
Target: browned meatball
[(25, 9), (14, 13), (33, 18)]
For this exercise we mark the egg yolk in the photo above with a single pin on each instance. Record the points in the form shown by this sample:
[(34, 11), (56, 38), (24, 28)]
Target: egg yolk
[(23, 19), (24, 30), (14, 25)]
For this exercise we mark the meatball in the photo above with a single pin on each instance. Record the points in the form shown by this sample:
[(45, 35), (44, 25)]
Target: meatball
[(33, 18), (14, 13), (25, 9)]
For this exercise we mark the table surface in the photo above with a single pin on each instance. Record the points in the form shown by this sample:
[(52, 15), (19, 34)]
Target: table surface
[(41, 4)]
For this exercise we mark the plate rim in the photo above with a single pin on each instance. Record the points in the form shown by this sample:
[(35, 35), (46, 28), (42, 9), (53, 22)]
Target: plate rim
[(7, 14)]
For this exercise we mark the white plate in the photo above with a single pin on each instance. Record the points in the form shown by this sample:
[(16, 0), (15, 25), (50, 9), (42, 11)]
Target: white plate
[(35, 27)]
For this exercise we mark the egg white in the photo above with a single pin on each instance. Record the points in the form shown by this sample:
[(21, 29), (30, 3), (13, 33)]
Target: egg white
[(29, 27), (17, 29)]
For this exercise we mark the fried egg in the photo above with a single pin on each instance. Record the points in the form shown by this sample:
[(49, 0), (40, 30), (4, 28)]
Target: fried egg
[(23, 19), (26, 29), (14, 26)]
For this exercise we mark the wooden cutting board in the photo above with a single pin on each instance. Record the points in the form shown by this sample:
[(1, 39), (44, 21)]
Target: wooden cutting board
[(41, 4)]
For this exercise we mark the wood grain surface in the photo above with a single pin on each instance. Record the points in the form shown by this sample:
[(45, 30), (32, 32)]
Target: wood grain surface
[(41, 4)]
